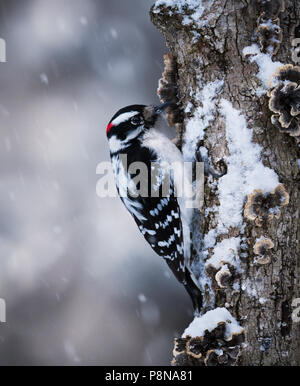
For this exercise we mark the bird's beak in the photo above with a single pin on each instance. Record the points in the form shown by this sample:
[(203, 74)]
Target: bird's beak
[(160, 108), (151, 112)]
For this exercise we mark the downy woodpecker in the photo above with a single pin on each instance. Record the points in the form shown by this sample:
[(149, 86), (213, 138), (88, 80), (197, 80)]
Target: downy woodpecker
[(133, 137)]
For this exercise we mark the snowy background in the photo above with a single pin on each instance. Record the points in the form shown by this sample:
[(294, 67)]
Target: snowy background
[(80, 283)]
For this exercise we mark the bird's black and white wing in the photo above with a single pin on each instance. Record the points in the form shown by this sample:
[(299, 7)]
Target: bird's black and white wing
[(158, 218), (163, 231)]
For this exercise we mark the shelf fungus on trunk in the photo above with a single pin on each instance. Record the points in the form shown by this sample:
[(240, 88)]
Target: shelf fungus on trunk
[(285, 100), (287, 73), (269, 32), (221, 357), (168, 92), (269, 35), (262, 248), (292, 130), (263, 207), (223, 276), (214, 338)]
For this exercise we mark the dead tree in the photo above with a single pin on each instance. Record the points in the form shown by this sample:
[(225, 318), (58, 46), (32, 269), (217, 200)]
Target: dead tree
[(232, 75)]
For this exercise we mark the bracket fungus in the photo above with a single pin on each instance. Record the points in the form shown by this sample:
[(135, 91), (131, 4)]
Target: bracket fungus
[(223, 276), (269, 35), (292, 130), (179, 346), (262, 249), (285, 100), (194, 347), (214, 348), (220, 340), (167, 89), (221, 357), (287, 73), (269, 32), (262, 207)]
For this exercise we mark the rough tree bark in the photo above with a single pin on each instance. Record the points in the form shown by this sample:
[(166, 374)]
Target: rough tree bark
[(213, 51)]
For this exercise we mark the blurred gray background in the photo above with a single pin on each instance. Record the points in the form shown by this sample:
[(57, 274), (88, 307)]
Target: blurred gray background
[(81, 285)]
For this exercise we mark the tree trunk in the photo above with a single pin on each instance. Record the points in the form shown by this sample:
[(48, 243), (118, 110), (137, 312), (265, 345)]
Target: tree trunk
[(219, 84)]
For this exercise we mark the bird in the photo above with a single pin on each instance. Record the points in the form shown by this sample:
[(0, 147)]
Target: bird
[(135, 138)]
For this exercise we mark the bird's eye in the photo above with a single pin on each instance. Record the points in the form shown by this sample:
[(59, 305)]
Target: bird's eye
[(136, 120)]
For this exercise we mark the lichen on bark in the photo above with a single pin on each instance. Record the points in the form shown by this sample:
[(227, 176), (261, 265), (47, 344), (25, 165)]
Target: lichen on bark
[(208, 50)]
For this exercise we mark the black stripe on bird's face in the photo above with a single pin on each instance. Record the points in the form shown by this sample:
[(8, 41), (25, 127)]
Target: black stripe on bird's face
[(126, 120)]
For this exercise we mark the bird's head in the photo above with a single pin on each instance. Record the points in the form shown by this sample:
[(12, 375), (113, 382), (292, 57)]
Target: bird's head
[(130, 122)]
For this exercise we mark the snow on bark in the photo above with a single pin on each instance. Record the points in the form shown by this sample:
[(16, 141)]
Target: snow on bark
[(210, 321), (203, 116), (192, 11), (230, 124), (266, 67)]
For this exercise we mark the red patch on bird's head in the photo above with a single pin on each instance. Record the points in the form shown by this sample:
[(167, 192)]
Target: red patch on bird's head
[(109, 126)]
